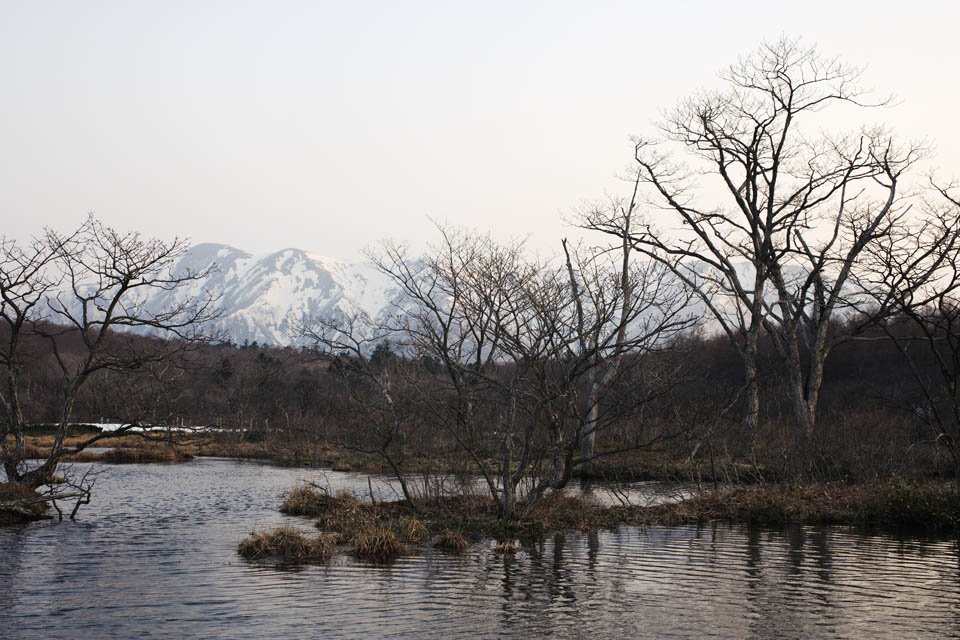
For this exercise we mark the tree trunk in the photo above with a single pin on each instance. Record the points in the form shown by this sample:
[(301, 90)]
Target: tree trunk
[(751, 411), (45, 472), (13, 459), (588, 428), (804, 414), (588, 435)]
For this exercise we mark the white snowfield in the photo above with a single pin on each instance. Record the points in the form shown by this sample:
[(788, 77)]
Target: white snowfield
[(108, 427)]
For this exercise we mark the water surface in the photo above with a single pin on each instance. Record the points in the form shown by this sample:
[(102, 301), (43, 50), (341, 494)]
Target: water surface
[(154, 556)]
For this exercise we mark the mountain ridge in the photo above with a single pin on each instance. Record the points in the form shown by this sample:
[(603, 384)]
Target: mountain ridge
[(263, 296)]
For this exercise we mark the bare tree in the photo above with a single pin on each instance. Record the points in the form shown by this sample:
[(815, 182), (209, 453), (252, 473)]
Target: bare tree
[(818, 275), (777, 249), (524, 352), (92, 286), (25, 281), (382, 390), (619, 305)]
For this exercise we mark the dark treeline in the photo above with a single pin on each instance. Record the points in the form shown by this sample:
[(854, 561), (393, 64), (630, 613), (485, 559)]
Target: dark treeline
[(875, 416)]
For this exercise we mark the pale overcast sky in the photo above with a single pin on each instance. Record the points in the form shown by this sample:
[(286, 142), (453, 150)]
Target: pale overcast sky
[(327, 125)]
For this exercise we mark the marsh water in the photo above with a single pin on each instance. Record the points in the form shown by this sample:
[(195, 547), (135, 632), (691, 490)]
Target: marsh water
[(154, 557)]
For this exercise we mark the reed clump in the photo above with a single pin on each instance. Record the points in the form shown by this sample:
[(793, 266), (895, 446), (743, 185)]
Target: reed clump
[(287, 545), (377, 543), (451, 540), (410, 529), (306, 500), (506, 547)]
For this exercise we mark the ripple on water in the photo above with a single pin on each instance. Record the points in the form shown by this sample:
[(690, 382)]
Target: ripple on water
[(154, 556)]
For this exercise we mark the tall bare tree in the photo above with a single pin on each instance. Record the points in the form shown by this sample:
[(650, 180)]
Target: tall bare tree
[(92, 285), (766, 222)]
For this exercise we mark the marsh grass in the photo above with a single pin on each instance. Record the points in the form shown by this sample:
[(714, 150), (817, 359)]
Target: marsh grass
[(286, 545), (409, 529), (122, 450), (377, 543), (451, 540), (384, 530), (285, 454), (506, 547), (247, 450), (892, 504), (47, 441), (141, 455), (32, 452), (371, 528)]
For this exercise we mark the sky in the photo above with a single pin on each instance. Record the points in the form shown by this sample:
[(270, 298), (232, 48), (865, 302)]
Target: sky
[(328, 126)]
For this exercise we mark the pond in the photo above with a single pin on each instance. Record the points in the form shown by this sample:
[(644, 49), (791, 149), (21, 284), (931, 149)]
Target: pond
[(154, 556)]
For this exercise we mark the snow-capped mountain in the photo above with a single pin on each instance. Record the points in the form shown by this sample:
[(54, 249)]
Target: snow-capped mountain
[(263, 296)]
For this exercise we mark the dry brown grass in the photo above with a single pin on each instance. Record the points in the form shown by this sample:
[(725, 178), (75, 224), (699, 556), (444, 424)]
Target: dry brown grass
[(129, 449), (286, 545), (10, 491), (372, 528), (83, 456), (378, 532), (303, 500), (410, 529), (32, 452), (377, 543), (129, 441), (451, 540), (249, 450), (141, 455), (506, 547), (888, 504), (123, 455)]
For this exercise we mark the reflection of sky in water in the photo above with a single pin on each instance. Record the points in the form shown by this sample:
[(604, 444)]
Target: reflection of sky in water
[(154, 554)]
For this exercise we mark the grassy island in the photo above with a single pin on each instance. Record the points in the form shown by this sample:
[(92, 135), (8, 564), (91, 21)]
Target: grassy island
[(382, 531)]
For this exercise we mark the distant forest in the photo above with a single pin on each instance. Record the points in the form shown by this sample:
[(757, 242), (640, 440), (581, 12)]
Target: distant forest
[(875, 417)]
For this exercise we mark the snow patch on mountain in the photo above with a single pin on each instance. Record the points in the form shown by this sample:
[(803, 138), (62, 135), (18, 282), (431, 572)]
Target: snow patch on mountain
[(262, 297)]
